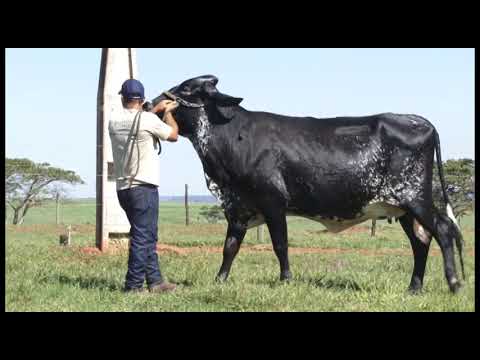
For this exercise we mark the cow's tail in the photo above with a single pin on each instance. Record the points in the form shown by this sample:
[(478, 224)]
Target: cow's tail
[(458, 237)]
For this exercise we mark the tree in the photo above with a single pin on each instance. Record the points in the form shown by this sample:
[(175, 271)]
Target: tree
[(212, 213), (459, 183), (29, 184)]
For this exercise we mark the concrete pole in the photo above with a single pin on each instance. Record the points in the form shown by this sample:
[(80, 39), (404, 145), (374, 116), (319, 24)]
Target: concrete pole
[(117, 65)]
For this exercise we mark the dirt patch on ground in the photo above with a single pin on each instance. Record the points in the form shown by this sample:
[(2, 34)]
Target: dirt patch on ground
[(90, 250), (111, 250), (194, 230), (83, 229), (164, 248), (37, 228)]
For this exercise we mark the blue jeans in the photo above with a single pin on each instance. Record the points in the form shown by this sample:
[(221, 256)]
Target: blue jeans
[(141, 205)]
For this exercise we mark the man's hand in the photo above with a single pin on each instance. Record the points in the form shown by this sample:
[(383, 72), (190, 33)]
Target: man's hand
[(171, 106), (163, 105), (169, 120)]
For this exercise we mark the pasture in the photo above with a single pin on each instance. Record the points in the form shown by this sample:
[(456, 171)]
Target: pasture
[(349, 271)]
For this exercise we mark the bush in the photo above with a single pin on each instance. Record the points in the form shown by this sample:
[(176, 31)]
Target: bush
[(212, 214)]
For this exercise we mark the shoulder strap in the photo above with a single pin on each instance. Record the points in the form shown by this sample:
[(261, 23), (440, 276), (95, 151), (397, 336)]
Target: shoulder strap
[(135, 124), (159, 146)]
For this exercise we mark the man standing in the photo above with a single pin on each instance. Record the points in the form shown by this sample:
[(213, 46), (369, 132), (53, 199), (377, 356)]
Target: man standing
[(135, 139)]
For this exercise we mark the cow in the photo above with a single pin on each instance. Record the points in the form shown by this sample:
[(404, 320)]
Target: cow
[(338, 171)]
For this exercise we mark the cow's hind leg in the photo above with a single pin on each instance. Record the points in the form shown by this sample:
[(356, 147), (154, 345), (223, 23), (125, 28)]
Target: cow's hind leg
[(420, 241), (235, 234), (444, 231)]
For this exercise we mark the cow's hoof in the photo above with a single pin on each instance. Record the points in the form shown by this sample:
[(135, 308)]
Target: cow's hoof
[(454, 286), (287, 276), (414, 290), (221, 278)]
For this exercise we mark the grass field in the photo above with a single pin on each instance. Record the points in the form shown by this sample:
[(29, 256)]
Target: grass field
[(349, 271)]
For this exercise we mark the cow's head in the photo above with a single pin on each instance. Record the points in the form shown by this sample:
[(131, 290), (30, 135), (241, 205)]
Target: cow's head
[(218, 107)]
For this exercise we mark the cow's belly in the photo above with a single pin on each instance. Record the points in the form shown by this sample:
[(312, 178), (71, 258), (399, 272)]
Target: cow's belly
[(371, 211), (333, 224)]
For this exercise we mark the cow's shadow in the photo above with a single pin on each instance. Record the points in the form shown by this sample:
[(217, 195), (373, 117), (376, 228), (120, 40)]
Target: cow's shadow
[(337, 283), (322, 282)]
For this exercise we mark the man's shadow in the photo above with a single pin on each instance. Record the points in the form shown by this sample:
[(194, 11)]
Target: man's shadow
[(104, 284), (89, 283)]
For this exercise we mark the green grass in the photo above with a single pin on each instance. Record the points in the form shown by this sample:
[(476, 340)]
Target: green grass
[(43, 276)]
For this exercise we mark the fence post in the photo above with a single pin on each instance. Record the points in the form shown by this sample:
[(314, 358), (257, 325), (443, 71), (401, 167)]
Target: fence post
[(374, 225), (69, 238), (260, 233), (57, 200), (187, 215)]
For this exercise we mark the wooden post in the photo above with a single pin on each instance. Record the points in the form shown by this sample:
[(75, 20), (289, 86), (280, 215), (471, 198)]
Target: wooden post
[(57, 198), (374, 225), (187, 217), (69, 238), (260, 233)]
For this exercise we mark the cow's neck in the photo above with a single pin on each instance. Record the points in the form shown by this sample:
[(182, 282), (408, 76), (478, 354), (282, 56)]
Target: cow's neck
[(201, 136), (204, 142)]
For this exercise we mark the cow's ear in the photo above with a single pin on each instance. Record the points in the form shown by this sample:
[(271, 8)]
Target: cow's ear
[(223, 103), (226, 100), (219, 98)]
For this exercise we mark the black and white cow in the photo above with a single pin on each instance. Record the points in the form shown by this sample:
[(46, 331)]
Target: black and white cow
[(337, 171)]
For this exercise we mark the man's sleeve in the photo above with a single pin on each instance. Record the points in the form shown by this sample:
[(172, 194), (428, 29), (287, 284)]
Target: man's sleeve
[(156, 126)]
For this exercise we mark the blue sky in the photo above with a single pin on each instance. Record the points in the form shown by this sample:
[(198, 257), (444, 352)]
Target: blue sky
[(50, 96)]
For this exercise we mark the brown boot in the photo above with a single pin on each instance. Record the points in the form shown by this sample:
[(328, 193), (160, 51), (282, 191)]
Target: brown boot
[(162, 287)]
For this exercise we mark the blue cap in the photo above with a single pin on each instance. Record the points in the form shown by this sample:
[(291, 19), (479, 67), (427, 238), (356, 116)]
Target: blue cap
[(132, 89)]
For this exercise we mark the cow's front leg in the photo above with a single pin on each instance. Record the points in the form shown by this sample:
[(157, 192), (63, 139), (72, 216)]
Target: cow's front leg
[(235, 234), (277, 226)]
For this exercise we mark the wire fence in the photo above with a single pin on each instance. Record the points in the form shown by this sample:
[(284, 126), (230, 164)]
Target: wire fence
[(83, 212)]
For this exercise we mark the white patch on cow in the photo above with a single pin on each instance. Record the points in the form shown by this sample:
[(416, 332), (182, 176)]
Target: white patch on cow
[(451, 215), (202, 133), (215, 189), (421, 233), (200, 143), (224, 195), (368, 164), (371, 211)]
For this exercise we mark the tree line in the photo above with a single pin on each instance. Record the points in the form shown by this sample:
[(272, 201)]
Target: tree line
[(29, 184)]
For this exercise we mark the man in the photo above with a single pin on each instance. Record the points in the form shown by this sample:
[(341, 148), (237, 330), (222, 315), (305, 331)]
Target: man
[(135, 139)]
